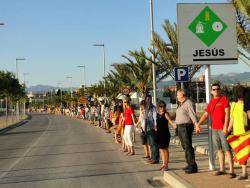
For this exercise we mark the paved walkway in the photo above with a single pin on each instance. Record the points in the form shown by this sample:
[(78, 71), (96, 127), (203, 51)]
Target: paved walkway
[(175, 177), (205, 177), (7, 121)]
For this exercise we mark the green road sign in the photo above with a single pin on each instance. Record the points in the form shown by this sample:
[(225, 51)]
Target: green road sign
[(207, 26)]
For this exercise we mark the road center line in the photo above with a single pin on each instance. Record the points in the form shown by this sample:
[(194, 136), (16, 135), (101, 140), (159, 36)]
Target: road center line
[(26, 152)]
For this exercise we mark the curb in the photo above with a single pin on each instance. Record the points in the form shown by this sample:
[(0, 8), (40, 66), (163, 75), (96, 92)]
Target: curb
[(4, 130), (176, 181), (197, 148)]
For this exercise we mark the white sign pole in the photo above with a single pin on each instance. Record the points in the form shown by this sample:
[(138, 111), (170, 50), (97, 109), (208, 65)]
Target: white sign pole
[(210, 143)]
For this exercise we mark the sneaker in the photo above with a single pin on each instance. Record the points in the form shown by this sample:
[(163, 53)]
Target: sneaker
[(191, 171), (232, 175), (165, 169), (185, 168), (153, 162), (242, 177), (219, 173)]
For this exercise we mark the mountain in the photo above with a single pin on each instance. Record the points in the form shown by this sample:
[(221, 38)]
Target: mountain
[(233, 78), (44, 88), (230, 78)]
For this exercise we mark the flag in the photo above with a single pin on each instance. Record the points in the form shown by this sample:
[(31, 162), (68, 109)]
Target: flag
[(241, 146)]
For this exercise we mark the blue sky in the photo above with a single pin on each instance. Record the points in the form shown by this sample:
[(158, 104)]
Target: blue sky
[(55, 36)]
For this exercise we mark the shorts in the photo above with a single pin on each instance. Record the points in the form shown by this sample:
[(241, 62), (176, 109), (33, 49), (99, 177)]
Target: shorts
[(128, 134), (219, 141), (143, 137)]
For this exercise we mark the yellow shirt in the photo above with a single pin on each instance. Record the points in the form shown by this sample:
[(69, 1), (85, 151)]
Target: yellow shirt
[(239, 117)]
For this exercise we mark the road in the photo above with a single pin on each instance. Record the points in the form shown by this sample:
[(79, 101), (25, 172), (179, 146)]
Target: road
[(56, 151)]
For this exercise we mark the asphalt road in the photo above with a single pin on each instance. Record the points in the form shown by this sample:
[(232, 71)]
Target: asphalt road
[(55, 151)]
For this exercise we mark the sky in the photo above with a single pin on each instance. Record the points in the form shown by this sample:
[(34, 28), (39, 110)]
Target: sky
[(55, 36)]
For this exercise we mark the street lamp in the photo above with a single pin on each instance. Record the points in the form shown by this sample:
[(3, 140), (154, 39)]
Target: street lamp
[(24, 76), (84, 75), (18, 59), (17, 104), (153, 57), (103, 47), (24, 83), (60, 93), (70, 77)]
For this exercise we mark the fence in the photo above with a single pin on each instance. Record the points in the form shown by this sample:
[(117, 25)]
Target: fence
[(9, 115)]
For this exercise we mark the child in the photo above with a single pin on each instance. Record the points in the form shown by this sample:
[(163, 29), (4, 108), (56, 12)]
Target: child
[(141, 123), (162, 133), (240, 137)]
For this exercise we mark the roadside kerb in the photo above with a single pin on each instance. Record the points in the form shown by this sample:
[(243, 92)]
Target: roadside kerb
[(176, 181), (6, 129)]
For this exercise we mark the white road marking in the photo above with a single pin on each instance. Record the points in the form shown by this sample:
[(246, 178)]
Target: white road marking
[(25, 153)]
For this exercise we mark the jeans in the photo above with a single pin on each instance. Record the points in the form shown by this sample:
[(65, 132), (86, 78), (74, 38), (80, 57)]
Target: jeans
[(185, 133), (151, 138)]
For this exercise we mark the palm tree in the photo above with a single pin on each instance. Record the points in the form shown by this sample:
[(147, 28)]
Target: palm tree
[(243, 19), (140, 71), (166, 53)]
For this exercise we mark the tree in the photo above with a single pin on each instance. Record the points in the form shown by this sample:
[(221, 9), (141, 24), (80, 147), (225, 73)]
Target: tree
[(140, 72), (10, 86), (166, 53), (243, 19)]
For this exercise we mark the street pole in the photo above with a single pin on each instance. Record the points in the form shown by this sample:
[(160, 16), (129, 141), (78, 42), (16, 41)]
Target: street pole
[(17, 103), (71, 93), (51, 96), (152, 56), (104, 72), (60, 93), (103, 47), (24, 82), (84, 75), (6, 111), (210, 141), (197, 92), (43, 101)]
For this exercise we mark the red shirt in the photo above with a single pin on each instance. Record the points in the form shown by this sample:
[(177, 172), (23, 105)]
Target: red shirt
[(128, 116), (216, 109)]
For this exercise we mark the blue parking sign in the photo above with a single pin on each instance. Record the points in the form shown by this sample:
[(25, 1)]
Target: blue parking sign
[(181, 74)]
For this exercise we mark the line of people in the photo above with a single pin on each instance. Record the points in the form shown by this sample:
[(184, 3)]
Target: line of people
[(230, 127)]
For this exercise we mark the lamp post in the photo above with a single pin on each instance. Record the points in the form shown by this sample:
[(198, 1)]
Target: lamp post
[(24, 83), (60, 92), (84, 75), (103, 47), (71, 93), (24, 80), (70, 78), (17, 60), (17, 103), (152, 56)]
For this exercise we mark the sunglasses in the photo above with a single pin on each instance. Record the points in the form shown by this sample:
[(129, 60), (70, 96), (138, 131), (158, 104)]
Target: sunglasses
[(217, 89)]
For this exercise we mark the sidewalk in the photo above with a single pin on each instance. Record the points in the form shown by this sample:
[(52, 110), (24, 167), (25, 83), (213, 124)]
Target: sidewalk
[(205, 178), (177, 178), (10, 121)]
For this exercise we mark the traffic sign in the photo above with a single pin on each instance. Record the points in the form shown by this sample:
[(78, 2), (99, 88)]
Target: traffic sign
[(206, 34), (181, 74)]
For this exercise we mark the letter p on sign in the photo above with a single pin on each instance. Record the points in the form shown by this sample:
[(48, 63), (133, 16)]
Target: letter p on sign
[(181, 74)]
